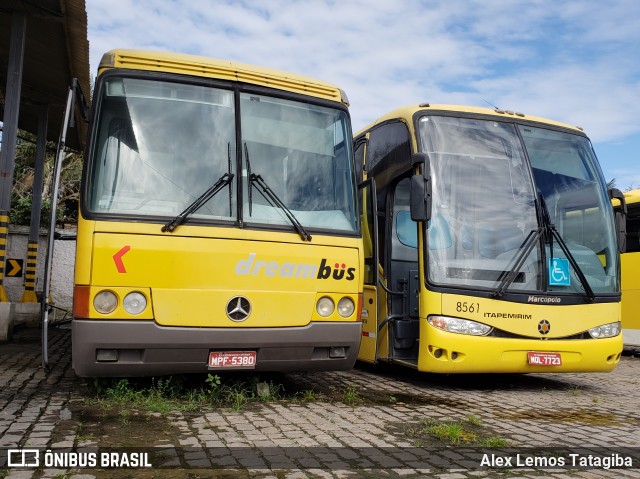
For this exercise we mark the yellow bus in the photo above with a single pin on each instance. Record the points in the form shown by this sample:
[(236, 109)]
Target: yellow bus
[(490, 244), (630, 260), (218, 225)]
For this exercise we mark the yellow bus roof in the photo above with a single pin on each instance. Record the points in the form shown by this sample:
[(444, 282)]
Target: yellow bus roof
[(407, 113), (223, 69), (632, 196)]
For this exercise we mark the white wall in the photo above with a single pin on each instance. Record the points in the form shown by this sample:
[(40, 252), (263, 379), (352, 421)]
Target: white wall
[(62, 268)]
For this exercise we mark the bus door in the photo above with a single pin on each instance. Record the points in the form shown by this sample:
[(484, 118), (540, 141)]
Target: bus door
[(370, 314), (401, 238)]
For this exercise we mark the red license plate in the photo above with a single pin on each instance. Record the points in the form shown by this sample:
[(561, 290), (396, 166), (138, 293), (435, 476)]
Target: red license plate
[(544, 359), (232, 359)]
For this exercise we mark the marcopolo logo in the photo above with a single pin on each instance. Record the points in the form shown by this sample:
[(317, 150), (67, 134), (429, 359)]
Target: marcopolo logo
[(544, 299), (324, 270)]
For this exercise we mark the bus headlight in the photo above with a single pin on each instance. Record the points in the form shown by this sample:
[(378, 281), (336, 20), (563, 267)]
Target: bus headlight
[(134, 303), (605, 331), (325, 306), (346, 307), (105, 302), (459, 325)]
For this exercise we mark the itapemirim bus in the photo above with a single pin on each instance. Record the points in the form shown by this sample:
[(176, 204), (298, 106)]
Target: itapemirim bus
[(218, 224), (630, 261), (490, 244)]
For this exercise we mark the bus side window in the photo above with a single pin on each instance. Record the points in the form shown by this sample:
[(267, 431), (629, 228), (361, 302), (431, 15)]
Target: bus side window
[(633, 230)]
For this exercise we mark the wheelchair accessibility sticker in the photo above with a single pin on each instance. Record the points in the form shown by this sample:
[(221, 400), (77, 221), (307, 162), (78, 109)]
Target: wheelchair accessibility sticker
[(559, 272)]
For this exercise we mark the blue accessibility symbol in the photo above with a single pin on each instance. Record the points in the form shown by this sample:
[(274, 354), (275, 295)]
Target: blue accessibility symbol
[(559, 272)]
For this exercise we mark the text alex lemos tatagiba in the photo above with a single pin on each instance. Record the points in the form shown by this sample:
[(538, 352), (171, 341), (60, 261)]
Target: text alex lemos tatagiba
[(569, 460)]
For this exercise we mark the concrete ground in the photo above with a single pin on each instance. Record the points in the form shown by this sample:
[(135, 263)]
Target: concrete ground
[(373, 421)]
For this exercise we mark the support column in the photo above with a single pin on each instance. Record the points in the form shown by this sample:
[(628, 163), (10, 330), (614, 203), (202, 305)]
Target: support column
[(10, 132), (29, 294)]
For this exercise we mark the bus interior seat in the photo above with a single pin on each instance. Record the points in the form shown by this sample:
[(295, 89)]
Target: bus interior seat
[(439, 233), (406, 229), (493, 242)]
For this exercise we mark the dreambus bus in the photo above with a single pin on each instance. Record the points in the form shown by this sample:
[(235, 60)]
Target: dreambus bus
[(489, 244), (218, 224), (630, 260)]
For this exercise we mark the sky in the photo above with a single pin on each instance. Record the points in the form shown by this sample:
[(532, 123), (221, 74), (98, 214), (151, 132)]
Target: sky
[(575, 61)]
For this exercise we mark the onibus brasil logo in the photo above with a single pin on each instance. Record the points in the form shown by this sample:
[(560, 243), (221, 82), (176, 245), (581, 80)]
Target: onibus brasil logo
[(288, 269)]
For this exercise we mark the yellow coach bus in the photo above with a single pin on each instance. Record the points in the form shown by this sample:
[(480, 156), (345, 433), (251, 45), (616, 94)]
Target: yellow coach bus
[(490, 244), (630, 260), (218, 224)]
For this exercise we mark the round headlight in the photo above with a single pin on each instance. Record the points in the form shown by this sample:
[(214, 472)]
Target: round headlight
[(325, 306), (346, 307), (134, 303), (105, 302)]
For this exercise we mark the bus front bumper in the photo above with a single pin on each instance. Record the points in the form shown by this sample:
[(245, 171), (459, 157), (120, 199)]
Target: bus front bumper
[(447, 352), (143, 348)]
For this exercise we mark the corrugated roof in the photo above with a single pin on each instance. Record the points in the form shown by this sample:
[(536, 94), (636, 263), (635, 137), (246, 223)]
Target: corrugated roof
[(56, 50)]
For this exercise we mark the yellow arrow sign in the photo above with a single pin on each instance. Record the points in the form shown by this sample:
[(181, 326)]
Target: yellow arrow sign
[(14, 268)]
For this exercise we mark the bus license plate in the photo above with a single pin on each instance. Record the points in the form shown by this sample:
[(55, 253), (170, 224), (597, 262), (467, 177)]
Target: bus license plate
[(544, 359), (232, 359)]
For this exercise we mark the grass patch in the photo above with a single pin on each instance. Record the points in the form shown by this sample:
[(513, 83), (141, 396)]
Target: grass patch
[(351, 397), (309, 395), (575, 390), (457, 433), (192, 393)]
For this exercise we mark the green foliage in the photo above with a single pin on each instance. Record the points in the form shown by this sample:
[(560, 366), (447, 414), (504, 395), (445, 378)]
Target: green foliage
[(182, 393), (351, 396), (457, 433), (23, 179), (20, 213)]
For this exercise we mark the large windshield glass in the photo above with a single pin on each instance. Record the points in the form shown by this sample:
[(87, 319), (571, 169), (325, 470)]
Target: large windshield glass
[(302, 153), (159, 145), (483, 203), (484, 208), (567, 175)]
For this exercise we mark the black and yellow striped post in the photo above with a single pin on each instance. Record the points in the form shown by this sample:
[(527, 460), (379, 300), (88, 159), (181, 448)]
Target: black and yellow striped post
[(29, 294), (4, 232)]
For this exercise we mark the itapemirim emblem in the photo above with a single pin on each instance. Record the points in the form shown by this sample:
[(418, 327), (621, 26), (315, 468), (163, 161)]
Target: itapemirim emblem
[(544, 327)]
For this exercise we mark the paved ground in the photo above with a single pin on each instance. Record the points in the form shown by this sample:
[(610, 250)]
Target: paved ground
[(369, 422)]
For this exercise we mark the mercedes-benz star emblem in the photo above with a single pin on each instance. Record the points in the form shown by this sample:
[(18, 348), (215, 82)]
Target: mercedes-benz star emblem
[(238, 308)]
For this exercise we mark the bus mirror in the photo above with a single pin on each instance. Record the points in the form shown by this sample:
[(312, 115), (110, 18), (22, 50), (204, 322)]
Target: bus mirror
[(621, 231), (620, 219), (617, 194), (420, 158), (420, 201)]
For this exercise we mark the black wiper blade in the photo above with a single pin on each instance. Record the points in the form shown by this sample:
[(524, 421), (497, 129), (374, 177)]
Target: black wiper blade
[(223, 181), (581, 277), (552, 232), (518, 260), (270, 196)]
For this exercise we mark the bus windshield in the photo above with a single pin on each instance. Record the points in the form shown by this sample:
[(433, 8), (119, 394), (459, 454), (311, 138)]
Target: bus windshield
[(487, 204), (159, 145)]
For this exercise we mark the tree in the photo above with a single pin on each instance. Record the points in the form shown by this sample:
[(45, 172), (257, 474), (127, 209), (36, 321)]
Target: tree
[(22, 194)]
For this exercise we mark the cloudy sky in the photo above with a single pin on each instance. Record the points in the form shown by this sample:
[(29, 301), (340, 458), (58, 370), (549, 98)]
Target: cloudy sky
[(574, 61)]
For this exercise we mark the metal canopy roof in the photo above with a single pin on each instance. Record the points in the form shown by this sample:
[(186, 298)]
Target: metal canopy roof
[(56, 50)]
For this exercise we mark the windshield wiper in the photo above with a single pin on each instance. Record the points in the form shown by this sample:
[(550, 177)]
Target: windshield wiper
[(272, 198), (553, 233), (223, 181), (518, 260), (548, 230)]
